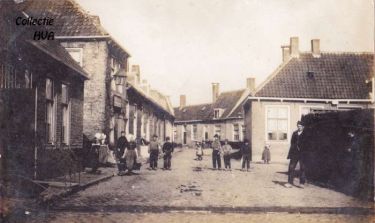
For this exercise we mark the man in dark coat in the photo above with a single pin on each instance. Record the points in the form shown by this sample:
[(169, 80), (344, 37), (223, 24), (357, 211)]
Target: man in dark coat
[(122, 143), (245, 152), (216, 150), (297, 153), (167, 150)]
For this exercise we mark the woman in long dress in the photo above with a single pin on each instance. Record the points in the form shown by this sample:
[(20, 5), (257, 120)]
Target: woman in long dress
[(131, 154)]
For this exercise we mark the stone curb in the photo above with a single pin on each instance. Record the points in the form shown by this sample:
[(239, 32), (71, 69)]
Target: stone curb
[(64, 193), (221, 209)]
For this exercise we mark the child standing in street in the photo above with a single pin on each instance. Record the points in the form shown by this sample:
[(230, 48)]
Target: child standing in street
[(199, 151), (266, 155), (227, 149), (167, 150)]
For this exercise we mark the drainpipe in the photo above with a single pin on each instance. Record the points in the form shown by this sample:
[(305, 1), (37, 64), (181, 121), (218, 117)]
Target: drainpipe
[(35, 133)]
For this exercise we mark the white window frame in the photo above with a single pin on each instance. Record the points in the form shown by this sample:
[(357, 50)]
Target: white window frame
[(266, 124), (219, 112), (309, 106), (66, 107), (76, 49), (51, 139)]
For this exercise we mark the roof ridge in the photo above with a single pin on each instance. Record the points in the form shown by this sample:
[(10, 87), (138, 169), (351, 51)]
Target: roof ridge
[(243, 97), (88, 15), (231, 91), (341, 52), (177, 107)]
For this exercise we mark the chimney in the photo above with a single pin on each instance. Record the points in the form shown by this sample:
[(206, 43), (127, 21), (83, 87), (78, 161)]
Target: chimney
[(250, 83), (294, 48), (182, 101), (137, 72), (145, 87), (215, 91), (286, 52), (315, 47), (95, 20)]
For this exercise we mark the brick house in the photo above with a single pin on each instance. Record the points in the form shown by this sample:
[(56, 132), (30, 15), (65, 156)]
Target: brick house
[(104, 59), (224, 117), (41, 99), (149, 111), (305, 82)]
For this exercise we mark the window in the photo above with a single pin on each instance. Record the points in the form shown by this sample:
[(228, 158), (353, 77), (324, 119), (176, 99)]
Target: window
[(194, 136), (50, 111), (218, 130), (277, 123), (66, 114), (76, 54), (205, 132), (236, 132), (218, 112)]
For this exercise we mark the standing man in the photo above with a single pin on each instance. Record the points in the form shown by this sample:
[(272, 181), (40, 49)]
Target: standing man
[(296, 154), (227, 149), (122, 143), (153, 150), (167, 150), (245, 152), (216, 150)]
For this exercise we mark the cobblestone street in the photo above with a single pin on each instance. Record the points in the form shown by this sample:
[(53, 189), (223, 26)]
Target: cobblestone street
[(194, 185)]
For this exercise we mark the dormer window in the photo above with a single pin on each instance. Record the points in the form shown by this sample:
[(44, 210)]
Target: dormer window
[(218, 112)]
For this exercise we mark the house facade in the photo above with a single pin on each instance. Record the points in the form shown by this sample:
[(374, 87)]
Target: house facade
[(41, 99), (149, 111), (107, 106), (305, 82), (222, 117)]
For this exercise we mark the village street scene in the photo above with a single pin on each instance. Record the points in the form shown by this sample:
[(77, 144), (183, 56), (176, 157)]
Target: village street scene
[(137, 111)]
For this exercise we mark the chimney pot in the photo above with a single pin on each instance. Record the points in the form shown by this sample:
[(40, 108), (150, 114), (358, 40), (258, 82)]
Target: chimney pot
[(215, 91), (137, 72), (250, 83), (294, 47), (182, 101), (285, 53), (315, 47)]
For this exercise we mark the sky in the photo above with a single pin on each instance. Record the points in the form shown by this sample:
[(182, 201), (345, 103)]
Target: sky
[(182, 46)]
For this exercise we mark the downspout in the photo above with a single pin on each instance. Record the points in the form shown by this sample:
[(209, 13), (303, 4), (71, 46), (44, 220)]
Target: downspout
[(35, 133)]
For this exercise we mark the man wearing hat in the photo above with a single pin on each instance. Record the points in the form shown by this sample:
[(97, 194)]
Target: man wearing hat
[(216, 150), (153, 150), (296, 154), (167, 150)]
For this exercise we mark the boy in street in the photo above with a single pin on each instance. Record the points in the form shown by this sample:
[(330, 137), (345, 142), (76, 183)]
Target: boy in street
[(227, 149), (245, 151), (216, 150), (153, 150), (167, 150), (122, 143)]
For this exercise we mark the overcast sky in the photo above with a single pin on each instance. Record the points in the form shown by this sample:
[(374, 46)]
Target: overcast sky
[(183, 46)]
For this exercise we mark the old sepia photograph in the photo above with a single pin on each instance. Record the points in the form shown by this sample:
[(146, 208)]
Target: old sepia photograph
[(187, 111)]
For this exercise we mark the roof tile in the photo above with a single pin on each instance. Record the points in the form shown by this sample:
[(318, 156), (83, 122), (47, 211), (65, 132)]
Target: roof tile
[(334, 76)]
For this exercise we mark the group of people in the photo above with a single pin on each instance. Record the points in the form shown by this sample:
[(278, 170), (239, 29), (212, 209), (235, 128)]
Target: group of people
[(127, 153), (224, 151)]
